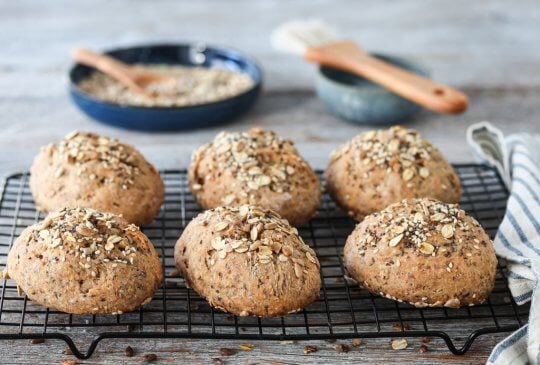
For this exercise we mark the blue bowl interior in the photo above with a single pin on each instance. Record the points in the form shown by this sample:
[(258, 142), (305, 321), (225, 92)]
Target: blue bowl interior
[(187, 55), (347, 79), (171, 118)]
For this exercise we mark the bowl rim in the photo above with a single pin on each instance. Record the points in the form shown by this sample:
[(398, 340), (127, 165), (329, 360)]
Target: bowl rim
[(74, 89), (420, 68)]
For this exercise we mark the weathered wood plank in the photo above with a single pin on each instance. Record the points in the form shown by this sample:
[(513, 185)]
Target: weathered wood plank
[(264, 352), (299, 116), (464, 42)]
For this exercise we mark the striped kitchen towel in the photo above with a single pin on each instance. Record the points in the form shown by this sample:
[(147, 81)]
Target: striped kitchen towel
[(517, 157)]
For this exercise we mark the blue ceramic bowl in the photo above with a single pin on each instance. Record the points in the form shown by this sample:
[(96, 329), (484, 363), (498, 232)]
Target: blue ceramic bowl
[(358, 100), (171, 118)]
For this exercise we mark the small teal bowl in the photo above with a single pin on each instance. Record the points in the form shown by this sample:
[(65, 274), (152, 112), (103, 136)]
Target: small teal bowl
[(360, 101)]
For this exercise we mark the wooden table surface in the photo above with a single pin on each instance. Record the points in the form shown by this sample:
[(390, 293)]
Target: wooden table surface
[(487, 48)]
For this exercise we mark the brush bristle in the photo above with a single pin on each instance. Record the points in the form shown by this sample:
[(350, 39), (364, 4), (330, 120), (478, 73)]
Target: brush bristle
[(298, 35)]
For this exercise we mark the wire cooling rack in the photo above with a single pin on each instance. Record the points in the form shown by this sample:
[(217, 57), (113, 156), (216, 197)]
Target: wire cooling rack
[(343, 310)]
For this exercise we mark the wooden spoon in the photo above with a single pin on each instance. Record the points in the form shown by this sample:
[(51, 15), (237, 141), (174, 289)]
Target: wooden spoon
[(346, 55), (134, 78)]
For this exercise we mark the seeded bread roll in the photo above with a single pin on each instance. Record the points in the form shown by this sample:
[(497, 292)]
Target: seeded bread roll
[(424, 252), (248, 261), (378, 168), (84, 261), (88, 170), (256, 167)]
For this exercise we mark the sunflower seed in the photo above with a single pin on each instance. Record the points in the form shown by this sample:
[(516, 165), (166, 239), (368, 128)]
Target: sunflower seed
[(254, 233), (426, 248), (394, 241), (246, 346)]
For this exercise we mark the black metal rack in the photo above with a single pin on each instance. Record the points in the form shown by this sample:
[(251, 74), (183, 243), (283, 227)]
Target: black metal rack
[(343, 310)]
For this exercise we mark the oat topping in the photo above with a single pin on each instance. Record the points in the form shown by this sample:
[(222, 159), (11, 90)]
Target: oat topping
[(259, 234), (246, 346), (95, 238), (417, 226), (81, 148), (399, 344), (257, 158), (187, 86), (397, 150)]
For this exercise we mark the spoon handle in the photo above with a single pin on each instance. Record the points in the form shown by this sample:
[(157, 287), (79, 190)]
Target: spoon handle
[(348, 56), (118, 70)]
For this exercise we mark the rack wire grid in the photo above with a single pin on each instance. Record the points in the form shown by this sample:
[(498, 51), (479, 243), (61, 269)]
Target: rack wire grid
[(344, 310)]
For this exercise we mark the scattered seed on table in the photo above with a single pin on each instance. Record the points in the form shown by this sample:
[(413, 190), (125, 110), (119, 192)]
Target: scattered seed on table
[(149, 357), (399, 327), (399, 344), (217, 361), (224, 351), (342, 348), (330, 340), (423, 349), (128, 351), (246, 346), (287, 342), (425, 339), (356, 342), (68, 362), (67, 352), (36, 341), (309, 349)]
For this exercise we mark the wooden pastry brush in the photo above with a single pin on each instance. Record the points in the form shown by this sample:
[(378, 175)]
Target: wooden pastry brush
[(318, 43)]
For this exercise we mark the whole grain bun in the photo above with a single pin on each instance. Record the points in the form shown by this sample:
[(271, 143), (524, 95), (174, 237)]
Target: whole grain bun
[(258, 168), (84, 261), (248, 261), (424, 252), (382, 167), (88, 170)]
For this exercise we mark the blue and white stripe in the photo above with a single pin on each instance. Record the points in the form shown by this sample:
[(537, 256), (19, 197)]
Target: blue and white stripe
[(518, 239)]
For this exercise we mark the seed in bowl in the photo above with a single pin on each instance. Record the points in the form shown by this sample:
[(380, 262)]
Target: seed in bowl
[(190, 86)]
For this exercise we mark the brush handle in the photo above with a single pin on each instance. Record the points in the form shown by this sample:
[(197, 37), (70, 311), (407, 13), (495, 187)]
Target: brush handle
[(348, 56), (118, 70)]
